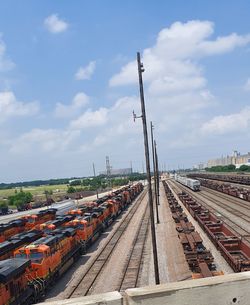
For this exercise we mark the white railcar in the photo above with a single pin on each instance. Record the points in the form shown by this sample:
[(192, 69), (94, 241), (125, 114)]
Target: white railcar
[(190, 183)]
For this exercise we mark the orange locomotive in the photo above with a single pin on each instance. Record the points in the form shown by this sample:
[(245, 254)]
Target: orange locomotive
[(48, 257), (49, 254), (8, 247), (51, 225), (89, 227), (11, 228), (14, 287), (25, 223), (41, 217)]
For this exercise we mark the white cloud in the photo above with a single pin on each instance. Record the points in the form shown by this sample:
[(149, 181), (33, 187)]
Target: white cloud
[(247, 85), (176, 89), (6, 63), (86, 72), (90, 119), (177, 96), (176, 52), (44, 140), (55, 25), (11, 107), (223, 124), (79, 101)]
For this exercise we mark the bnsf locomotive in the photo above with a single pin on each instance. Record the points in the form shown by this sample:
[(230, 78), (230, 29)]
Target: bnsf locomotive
[(36, 258)]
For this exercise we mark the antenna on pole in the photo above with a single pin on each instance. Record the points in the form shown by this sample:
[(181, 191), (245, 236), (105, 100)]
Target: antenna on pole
[(135, 116)]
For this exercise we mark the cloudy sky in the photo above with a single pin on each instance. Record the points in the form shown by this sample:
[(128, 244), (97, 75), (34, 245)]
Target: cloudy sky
[(69, 84)]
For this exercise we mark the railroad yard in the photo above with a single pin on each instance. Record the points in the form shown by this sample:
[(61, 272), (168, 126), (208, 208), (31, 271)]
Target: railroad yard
[(125, 169), (202, 232)]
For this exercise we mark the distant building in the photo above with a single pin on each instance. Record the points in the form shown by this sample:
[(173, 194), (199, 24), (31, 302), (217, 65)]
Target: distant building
[(236, 159), (221, 161)]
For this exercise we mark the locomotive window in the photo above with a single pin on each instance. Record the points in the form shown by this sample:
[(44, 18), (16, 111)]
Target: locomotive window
[(36, 256), (21, 255), (31, 220)]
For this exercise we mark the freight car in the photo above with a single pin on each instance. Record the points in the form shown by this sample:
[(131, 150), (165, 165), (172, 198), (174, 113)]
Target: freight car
[(199, 259), (227, 189), (240, 179), (64, 206), (234, 249), (190, 183), (50, 256)]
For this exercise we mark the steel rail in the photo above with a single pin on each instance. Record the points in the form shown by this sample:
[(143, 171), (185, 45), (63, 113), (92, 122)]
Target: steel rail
[(93, 271)]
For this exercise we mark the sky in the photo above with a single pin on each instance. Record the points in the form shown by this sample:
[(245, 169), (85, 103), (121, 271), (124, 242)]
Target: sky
[(69, 83)]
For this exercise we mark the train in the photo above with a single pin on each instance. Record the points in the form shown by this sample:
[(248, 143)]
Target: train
[(25, 223), (231, 178), (235, 249), (200, 260), (193, 184), (45, 252)]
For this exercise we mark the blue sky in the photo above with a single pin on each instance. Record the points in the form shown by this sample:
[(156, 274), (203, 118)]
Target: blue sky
[(68, 83)]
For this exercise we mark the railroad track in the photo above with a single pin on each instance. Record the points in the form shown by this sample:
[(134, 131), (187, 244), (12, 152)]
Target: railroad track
[(243, 186), (224, 204), (236, 226), (133, 266), (234, 200), (85, 284)]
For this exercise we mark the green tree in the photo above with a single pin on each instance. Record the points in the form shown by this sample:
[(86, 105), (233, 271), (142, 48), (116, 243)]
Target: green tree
[(20, 199), (231, 167), (244, 168), (71, 189)]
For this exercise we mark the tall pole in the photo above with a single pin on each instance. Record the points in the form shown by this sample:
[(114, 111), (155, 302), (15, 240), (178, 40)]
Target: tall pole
[(150, 199), (155, 177), (95, 176), (157, 174)]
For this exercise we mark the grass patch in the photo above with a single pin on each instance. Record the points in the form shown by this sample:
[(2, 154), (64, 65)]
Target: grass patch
[(35, 190)]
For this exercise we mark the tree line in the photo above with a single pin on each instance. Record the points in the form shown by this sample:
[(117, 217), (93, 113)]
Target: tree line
[(228, 168), (22, 199)]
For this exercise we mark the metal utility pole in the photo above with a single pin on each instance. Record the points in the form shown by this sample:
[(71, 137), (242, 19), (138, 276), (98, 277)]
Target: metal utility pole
[(95, 176), (150, 198), (143, 168), (108, 168), (155, 173)]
